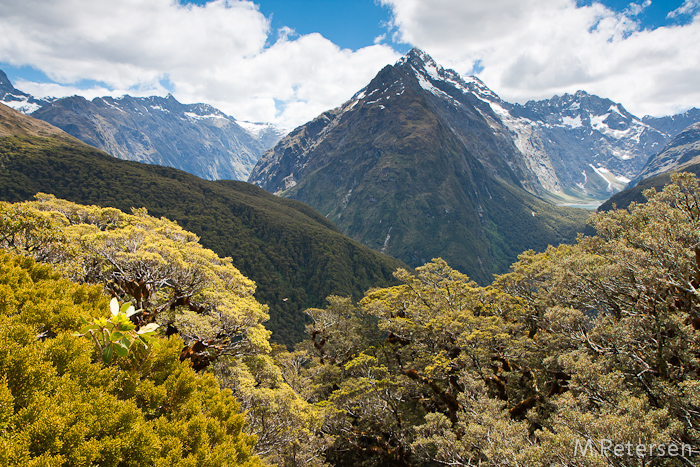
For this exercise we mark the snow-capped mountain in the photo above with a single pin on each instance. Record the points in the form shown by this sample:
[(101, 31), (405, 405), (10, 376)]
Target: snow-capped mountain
[(681, 151), (197, 138), (673, 124), (16, 99), (581, 145), (266, 134), (576, 146), (416, 165)]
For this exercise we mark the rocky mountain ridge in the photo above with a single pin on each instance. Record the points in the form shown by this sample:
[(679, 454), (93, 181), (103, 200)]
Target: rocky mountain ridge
[(581, 145), (681, 151), (197, 138), (16, 99), (572, 148)]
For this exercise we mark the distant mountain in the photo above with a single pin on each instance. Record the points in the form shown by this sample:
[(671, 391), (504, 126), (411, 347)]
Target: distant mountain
[(196, 138), (418, 165), (580, 145), (16, 99), (296, 256), (674, 124), (682, 150), (681, 154), (266, 134)]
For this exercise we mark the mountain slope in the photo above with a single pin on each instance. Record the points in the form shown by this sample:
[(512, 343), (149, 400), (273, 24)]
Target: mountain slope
[(417, 166), (581, 145), (196, 138), (681, 154), (17, 99), (673, 124), (683, 149), (295, 256)]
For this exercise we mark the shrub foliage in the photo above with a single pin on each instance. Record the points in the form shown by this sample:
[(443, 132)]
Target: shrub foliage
[(59, 407)]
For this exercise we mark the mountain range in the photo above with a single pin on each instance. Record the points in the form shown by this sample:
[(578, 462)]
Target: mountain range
[(574, 148), (416, 167), (196, 138), (420, 163), (681, 154), (423, 162), (681, 151)]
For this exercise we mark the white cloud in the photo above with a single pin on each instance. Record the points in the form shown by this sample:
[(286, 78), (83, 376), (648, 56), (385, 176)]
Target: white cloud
[(533, 49), (225, 53), (218, 53), (689, 7)]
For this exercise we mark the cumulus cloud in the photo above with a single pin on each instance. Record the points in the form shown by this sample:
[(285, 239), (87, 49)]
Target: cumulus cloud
[(533, 49), (222, 53)]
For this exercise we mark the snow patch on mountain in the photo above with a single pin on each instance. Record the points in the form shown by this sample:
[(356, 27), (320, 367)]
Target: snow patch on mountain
[(20, 104), (158, 107), (109, 104), (572, 122), (194, 116)]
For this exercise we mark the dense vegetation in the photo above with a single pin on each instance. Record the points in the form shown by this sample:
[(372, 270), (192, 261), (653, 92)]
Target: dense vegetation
[(595, 344), (589, 347), (197, 301), (59, 407), (581, 355), (294, 255)]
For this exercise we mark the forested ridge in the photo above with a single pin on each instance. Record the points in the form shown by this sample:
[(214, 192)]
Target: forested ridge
[(295, 255), (582, 355)]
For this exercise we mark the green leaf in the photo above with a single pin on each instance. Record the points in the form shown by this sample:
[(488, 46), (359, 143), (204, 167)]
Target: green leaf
[(148, 340), (127, 308), (83, 320), (125, 342), (107, 354), (144, 340), (120, 350), (115, 336), (85, 329)]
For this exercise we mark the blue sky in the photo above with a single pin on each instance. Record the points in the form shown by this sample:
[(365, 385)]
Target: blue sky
[(349, 24), (287, 61)]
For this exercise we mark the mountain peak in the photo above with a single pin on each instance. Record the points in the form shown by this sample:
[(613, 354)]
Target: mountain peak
[(421, 62), (417, 56), (18, 100), (5, 84)]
